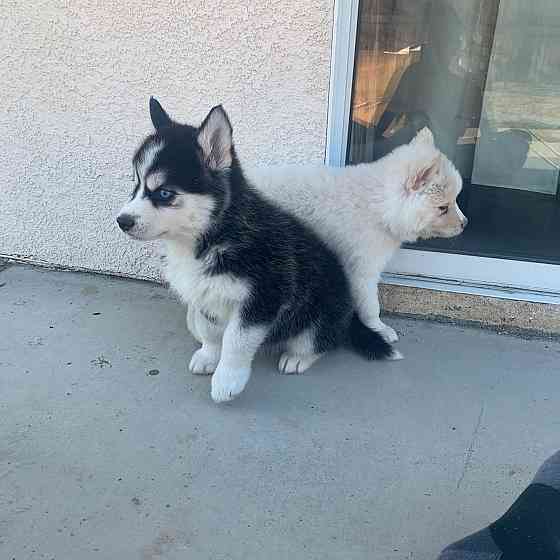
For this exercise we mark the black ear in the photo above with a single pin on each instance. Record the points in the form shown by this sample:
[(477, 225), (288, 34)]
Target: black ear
[(215, 137), (160, 119)]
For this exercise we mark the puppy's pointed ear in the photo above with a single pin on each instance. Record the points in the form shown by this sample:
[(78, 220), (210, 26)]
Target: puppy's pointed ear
[(215, 138), (160, 119), (424, 136), (421, 177)]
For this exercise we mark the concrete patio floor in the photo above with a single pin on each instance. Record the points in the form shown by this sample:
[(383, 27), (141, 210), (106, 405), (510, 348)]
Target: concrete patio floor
[(109, 449)]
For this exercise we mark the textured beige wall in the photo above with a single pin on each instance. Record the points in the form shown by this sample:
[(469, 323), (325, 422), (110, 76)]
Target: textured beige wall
[(76, 76)]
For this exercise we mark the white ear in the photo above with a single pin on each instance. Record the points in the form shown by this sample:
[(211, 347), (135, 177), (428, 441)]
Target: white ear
[(424, 136), (420, 178), (215, 139)]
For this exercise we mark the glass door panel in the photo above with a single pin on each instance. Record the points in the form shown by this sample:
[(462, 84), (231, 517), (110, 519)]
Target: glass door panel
[(484, 75)]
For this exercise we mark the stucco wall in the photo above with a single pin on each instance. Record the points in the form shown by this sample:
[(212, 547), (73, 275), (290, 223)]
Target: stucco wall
[(76, 76)]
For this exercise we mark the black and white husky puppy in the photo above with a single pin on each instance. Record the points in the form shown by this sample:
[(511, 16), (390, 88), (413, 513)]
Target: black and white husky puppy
[(254, 273)]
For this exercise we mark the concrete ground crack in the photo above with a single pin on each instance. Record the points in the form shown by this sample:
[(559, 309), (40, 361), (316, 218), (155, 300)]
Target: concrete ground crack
[(470, 449)]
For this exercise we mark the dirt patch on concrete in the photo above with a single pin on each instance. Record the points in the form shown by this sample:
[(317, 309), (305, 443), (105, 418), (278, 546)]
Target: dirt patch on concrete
[(520, 318)]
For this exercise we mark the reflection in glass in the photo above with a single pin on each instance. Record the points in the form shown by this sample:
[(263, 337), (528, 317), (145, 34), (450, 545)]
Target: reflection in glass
[(484, 75)]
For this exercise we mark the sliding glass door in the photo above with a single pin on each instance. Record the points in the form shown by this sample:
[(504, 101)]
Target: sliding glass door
[(484, 75)]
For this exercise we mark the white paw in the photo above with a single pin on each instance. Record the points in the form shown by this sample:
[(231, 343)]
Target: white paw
[(292, 363), (387, 332), (228, 383), (203, 362)]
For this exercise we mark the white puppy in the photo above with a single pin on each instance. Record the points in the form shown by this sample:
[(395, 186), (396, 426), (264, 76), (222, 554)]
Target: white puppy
[(365, 212)]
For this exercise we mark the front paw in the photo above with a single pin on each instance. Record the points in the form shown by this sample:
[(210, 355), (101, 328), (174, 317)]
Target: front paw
[(203, 362), (227, 383)]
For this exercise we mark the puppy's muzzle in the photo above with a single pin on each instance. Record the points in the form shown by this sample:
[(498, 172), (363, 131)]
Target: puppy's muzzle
[(126, 222)]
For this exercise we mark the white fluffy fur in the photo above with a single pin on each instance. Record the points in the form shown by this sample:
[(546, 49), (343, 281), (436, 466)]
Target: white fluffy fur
[(366, 211), (218, 296)]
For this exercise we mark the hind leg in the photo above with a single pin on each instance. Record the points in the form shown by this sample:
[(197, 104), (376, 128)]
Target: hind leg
[(205, 360), (300, 354)]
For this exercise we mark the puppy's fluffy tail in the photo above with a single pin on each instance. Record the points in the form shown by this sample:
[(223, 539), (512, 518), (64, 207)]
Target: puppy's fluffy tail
[(368, 343)]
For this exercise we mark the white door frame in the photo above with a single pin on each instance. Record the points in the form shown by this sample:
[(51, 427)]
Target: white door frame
[(511, 279), (343, 47)]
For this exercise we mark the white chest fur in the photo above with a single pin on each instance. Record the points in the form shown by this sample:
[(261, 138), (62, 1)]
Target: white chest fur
[(217, 295)]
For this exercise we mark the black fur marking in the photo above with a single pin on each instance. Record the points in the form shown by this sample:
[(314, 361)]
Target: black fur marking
[(135, 191), (136, 184), (366, 342), (181, 159), (297, 283)]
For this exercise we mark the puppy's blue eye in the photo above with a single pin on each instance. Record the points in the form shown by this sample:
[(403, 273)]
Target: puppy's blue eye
[(163, 195)]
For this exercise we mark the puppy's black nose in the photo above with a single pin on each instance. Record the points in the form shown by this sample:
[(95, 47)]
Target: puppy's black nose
[(125, 221)]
